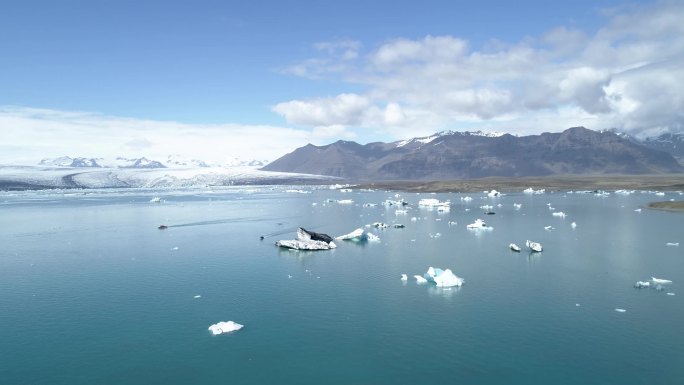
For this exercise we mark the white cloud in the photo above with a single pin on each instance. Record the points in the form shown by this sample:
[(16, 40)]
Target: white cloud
[(627, 75), (28, 135), (343, 109)]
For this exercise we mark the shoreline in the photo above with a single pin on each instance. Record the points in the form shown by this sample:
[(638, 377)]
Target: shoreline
[(670, 206), (670, 182)]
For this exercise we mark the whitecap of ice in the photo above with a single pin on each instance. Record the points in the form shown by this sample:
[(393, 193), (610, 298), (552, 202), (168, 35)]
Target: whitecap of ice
[(225, 327)]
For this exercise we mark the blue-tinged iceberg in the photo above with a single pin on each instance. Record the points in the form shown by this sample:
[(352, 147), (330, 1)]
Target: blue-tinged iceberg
[(443, 278)]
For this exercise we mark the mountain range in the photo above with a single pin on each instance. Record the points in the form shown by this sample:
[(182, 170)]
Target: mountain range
[(466, 155), (172, 161)]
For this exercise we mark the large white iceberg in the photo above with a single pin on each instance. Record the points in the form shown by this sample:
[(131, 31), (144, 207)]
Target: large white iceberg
[(432, 203), (225, 327), (356, 235), (479, 224), (443, 278), (308, 240)]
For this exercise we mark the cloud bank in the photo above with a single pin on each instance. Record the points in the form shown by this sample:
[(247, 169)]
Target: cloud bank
[(626, 75), (30, 134)]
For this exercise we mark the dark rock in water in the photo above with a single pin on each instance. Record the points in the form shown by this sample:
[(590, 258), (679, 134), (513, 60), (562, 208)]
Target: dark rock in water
[(490, 213), (399, 226), (162, 227), (317, 236)]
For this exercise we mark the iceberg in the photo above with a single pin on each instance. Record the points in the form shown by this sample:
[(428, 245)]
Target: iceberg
[(573, 225), (660, 281), (642, 284), (372, 237), (443, 278), (559, 214), (420, 279), (479, 224), (156, 200), (493, 194), (534, 246), (404, 277), (514, 247), (225, 327), (356, 235), (308, 240), (431, 203)]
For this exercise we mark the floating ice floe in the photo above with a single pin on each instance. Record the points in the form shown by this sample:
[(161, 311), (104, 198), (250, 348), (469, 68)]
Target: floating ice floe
[(404, 277), (672, 244), (356, 235), (420, 279), (479, 224), (534, 246), (452, 223), (197, 296), (380, 225), (372, 237), (619, 310), (345, 190), (414, 219), (400, 212), (432, 203), (436, 235), (308, 240), (548, 228), (573, 225), (466, 199), (298, 191), (637, 210), (156, 200), (531, 191), (345, 202), (660, 281), (514, 247), (517, 206), (369, 204), (443, 278), (225, 327), (391, 202), (642, 284), (670, 293), (559, 214), (493, 194)]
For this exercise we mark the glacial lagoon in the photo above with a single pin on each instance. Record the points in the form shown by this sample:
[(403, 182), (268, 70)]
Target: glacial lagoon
[(92, 292)]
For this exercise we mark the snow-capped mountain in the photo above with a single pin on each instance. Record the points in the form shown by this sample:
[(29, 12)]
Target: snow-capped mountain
[(66, 161), (179, 161), (670, 143), (442, 134), (172, 161), (239, 162)]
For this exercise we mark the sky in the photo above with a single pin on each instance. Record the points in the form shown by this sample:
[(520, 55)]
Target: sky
[(216, 80)]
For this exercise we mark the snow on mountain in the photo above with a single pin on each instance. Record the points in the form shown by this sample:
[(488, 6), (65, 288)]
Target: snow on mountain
[(428, 139), (177, 161), (67, 161), (239, 162)]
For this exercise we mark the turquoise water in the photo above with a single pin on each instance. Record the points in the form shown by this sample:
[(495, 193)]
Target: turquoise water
[(91, 292)]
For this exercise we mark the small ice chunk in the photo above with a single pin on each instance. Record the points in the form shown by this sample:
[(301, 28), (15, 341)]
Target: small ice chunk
[(619, 310), (573, 225), (676, 244), (420, 279), (577, 305), (642, 284), (175, 248), (670, 293), (225, 327), (372, 237), (404, 277), (638, 210), (660, 280), (559, 214), (197, 296), (548, 228), (155, 200)]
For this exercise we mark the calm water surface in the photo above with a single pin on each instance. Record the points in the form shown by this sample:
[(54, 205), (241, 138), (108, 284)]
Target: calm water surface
[(91, 292)]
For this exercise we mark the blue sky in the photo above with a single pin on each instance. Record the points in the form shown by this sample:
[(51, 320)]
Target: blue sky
[(262, 77)]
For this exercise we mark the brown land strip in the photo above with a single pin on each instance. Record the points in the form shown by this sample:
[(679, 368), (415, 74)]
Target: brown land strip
[(677, 206), (670, 182)]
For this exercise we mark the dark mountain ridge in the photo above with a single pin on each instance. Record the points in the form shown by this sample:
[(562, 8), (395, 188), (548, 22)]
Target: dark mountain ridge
[(456, 155)]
